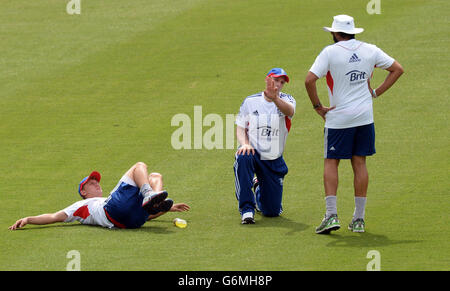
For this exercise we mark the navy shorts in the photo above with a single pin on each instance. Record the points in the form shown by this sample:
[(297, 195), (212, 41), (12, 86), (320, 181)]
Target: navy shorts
[(347, 142), (124, 205)]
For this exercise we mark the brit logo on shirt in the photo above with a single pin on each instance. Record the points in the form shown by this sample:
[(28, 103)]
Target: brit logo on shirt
[(354, 59), (356, 76)]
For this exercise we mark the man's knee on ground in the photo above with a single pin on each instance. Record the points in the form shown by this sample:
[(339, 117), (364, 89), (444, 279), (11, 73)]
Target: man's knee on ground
[(271, 213), (270, 210)]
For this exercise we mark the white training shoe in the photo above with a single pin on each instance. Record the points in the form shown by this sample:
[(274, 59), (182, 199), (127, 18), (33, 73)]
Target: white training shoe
[(247, 218), (152, 200)]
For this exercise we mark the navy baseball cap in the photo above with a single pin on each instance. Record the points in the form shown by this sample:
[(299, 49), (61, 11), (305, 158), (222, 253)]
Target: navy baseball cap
[(278, 72), (94, 175)]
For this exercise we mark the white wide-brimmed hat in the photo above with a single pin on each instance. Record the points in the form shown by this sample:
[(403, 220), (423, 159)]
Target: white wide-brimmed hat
[(345, 24)]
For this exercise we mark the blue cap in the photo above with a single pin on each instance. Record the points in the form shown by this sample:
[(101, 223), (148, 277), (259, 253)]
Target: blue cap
[(94, 175), (278, 72)]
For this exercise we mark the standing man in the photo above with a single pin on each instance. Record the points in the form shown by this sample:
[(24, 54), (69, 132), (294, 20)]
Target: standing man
[(263, 123), (349, 125)]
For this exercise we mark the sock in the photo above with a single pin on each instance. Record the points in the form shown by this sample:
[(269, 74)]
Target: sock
[(145, 189), (360, 207), (331, 205)]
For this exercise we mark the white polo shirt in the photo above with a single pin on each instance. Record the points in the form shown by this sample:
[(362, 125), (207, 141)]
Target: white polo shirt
[(267, 126), (348, 65), (88, 211)]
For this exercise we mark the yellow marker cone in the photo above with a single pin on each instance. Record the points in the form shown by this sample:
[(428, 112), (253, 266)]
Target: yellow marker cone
[(181, 223)]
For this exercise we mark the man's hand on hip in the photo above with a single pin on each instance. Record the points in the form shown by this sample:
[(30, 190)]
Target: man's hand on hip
[(321, 110)]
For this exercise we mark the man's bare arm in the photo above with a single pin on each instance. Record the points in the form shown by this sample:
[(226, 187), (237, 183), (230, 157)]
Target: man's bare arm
[(48, 218), (310, 84), (242, 137), (178, 207), (272, 92), (395, 71)]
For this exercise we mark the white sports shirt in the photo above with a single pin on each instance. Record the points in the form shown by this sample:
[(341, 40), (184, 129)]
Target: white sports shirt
[(348, 65), (88, 211), (267, 126)]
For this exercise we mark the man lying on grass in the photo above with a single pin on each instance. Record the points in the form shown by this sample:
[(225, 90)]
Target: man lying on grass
[(137, 198)]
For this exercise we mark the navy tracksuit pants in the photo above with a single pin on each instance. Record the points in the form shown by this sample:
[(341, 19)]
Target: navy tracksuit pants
[(270, 174)]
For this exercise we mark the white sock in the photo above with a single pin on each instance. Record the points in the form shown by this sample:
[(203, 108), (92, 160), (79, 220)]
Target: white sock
[(331, 205), (360, 207), (145, 189)]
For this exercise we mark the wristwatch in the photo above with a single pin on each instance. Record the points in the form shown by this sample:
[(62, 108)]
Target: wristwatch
[(374, 93), (317, 105)]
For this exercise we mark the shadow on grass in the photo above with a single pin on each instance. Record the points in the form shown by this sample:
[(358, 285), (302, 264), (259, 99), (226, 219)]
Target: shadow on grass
[(49, 226), (148, 227), (158, 226), (280, 222), (366, 239)]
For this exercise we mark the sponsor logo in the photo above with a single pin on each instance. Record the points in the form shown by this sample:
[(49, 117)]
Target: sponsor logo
[(354, 59), (356, 76), (268, 131)]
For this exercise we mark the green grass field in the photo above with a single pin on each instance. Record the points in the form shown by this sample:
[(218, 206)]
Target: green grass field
[(97, 91)]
